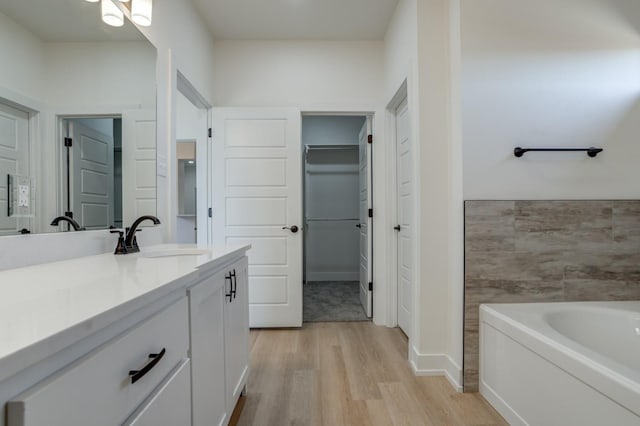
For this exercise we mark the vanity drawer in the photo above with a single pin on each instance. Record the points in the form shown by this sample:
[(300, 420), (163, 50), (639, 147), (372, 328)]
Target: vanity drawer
[(97, 389)]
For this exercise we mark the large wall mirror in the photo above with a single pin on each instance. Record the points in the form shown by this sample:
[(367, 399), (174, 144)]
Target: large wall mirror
[(77, 118)]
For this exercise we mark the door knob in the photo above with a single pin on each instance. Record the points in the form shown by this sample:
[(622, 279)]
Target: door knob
[(358, 226), (293, 229), (397, 228)]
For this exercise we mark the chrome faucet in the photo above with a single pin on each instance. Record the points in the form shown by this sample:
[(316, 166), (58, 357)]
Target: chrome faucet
[(130, 244), (76, 226)]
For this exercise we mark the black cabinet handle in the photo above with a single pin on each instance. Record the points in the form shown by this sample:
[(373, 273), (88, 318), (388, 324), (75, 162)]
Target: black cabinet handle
[(139, 374), (234, 284), (231, 293)]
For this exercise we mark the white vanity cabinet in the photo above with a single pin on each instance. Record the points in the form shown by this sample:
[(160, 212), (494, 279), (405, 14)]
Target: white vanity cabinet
[(99, 388), (219, 325), (157, 340)]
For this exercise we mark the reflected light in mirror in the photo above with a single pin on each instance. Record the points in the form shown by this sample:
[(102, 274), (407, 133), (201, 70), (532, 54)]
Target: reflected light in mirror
[(141, 12), (111, 14)]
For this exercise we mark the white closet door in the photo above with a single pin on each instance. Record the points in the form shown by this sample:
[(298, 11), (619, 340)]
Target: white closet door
[(14, 159), (366, 273), (138, 164), (404, 194), (257, 181), (91, 176)]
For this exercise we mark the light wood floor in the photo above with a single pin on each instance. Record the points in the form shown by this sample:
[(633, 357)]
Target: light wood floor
[(349, 374)]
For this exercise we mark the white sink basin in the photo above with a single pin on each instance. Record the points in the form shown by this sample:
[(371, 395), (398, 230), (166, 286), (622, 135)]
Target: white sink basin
[(174, 252)]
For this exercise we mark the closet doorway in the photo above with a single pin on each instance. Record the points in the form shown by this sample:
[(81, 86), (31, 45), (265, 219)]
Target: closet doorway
[(91, 165), (337, 223)]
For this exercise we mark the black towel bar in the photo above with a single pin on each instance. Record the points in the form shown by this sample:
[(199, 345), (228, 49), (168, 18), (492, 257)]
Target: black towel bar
[(591, 152)]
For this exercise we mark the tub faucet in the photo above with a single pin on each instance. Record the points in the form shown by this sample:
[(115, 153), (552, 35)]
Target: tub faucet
[(130, 242), (76, 226)]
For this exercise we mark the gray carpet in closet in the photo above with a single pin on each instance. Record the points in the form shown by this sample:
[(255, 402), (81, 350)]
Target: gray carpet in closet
[(332, 301)]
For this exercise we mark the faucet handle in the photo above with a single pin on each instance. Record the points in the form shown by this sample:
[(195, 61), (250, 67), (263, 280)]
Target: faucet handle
[(120, 248)]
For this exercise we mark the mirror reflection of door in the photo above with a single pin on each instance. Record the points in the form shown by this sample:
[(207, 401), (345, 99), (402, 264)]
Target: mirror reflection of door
[(186, 230), (14, 160), (92, 166)]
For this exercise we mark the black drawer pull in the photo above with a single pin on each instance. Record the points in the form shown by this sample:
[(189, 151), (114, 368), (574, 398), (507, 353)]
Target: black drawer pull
[(231, 293), (139, 374)]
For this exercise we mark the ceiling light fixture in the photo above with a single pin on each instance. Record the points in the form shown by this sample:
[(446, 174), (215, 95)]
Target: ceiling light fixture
[(111, 14), (141, 12)]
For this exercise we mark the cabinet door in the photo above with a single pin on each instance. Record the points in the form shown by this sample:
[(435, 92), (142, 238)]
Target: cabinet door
[(207, 351), (236, 333), (169, 405)]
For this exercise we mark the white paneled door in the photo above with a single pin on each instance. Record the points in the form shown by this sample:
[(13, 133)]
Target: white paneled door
[(257, 199), (14, 160), (138, 164), (366, 273), (404, 228), (92, 176)]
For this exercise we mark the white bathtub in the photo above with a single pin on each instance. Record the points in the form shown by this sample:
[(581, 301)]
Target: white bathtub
[(562, 363)]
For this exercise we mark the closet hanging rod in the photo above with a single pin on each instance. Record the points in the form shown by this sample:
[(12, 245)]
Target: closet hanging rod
[(316, 219), (331, 148), (591, 152)]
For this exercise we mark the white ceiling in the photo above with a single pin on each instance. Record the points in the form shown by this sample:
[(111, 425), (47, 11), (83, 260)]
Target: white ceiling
[(297, 19), (66, 21)]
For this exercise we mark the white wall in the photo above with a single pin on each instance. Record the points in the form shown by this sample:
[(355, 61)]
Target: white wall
[(551, 74), (420, 49), (103, 74), (191, 122), (23, 63), (400, 47), (438, 311), (322, 75)]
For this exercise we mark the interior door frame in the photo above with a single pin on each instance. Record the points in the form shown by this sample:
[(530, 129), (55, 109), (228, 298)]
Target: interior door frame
[(370, 115), (204, 173)]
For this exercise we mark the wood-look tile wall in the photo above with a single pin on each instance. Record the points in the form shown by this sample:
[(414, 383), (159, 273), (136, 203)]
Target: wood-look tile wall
[(546, 251)]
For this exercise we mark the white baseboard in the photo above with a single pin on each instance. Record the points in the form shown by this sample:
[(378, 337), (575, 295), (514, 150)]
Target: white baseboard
[(436, 365), (333, 276)]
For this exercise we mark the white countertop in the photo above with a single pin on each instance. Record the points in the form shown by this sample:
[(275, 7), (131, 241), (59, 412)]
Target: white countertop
[(44, 308)]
